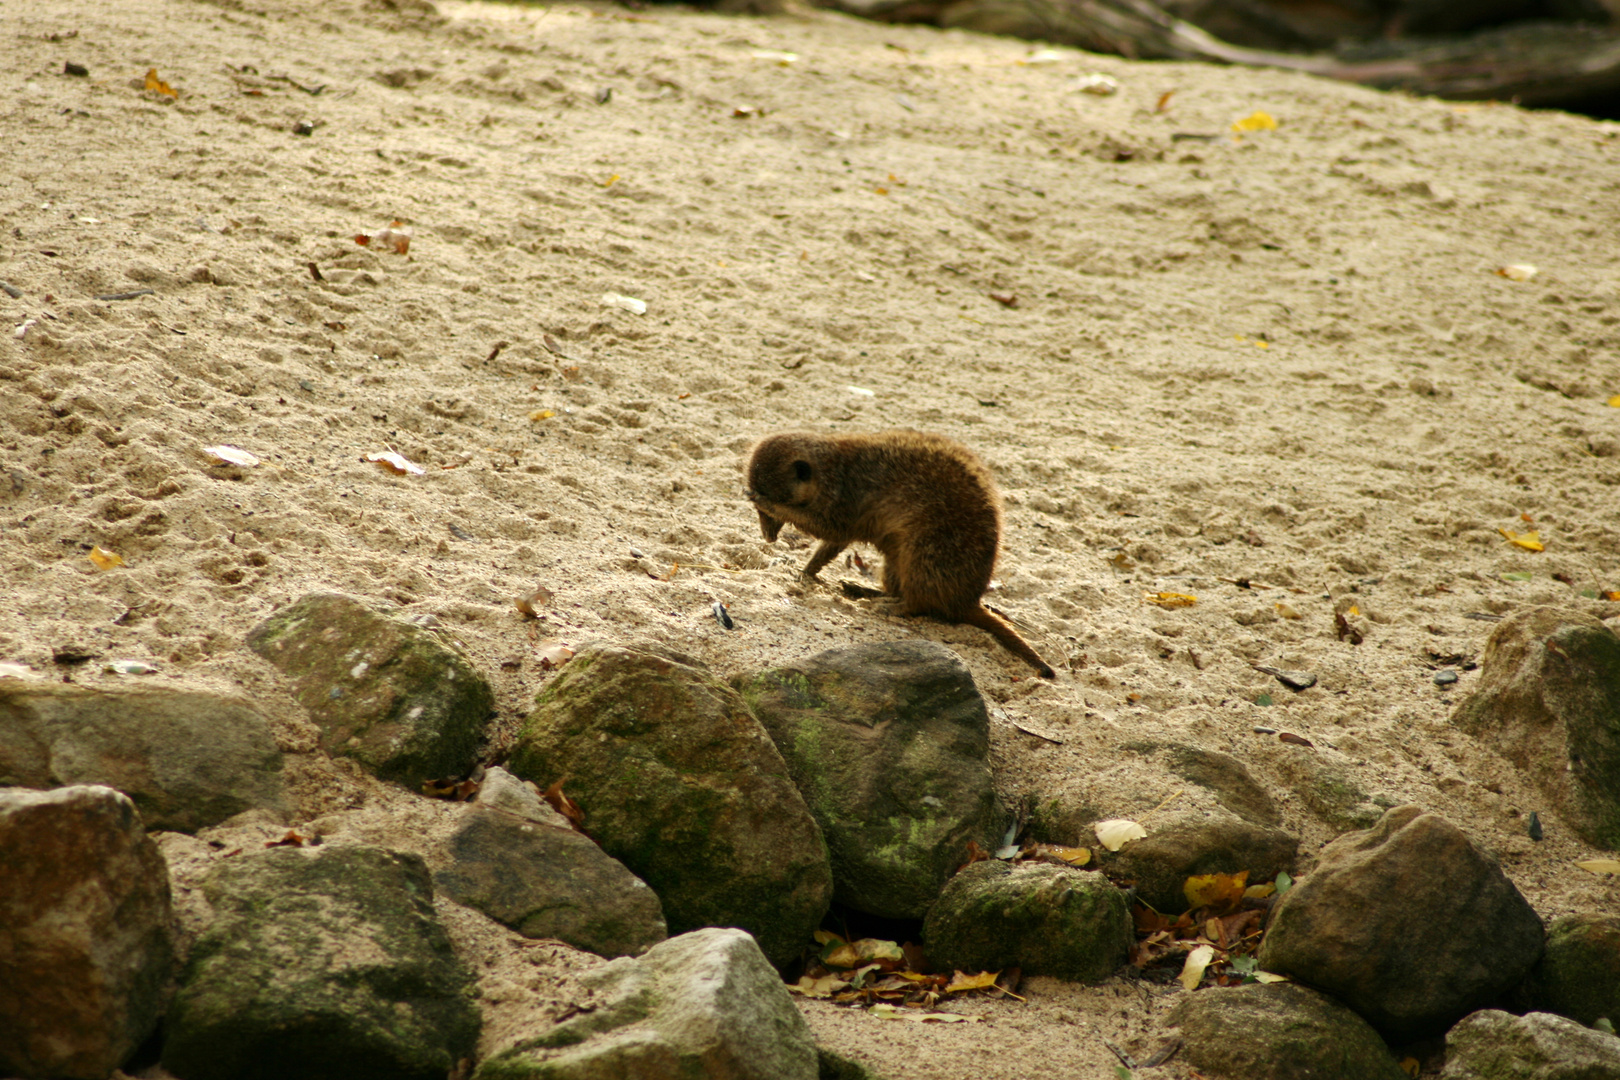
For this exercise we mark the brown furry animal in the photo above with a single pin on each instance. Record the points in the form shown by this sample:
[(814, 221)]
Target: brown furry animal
[(928, 503)]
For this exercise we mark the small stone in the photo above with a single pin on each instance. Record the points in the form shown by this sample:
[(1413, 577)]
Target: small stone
[(1445, 678)]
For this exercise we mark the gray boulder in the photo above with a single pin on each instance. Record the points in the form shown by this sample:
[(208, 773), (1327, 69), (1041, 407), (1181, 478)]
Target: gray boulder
[(393, 696), (188, 759), (1234, 786), (324, 963), (888, 743), (86, 932), (1159, 865), (547, 881), (1391, 920), (1494, 1045), (703, 1005), (1047, 920), (1280, 1031), (1549, 702), (680, 783), (1579, 974)]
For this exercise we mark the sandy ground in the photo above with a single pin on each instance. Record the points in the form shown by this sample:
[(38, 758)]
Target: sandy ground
[(1282, 357)]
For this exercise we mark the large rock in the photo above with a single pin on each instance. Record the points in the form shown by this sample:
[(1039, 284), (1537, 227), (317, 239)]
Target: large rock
[(888, 743), (188, 759), (393, 696), (324, 963), (509, 859), (1280, 1031), (703, 1005), (1549, 701), (680, 783), (86, 932), (1579, 974), (1495, 1045), (1234, 786), (1159, 865), (1045, 919), (1391, 923)]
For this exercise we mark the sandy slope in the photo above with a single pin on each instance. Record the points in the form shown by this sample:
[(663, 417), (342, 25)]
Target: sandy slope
[(1283, 357)]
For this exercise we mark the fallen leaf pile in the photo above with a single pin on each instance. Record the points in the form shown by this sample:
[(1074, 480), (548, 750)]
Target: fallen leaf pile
[(1215, 939), (895, 981)]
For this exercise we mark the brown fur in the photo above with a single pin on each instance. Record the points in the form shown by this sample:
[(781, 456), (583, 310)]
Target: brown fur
[(928, 503)]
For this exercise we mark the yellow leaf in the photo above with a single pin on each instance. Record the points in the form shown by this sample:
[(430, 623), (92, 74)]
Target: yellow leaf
[(1256, 121), (1204, 890), (1287, 611), (1611, 595), (826, 937), (1411, 1066), (1192, 972), (1352, 610), (982, 981), (1601, 866), (1269, 977), (610, 181), (1259, 892), (104, 559), (1115, 833), (155, 83), (1614, 402), (824, 987), (1170, 599), (1530, 541), (541, 414), (1074, 856)]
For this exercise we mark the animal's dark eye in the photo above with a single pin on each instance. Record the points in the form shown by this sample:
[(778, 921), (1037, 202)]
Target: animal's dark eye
[(801, 469)]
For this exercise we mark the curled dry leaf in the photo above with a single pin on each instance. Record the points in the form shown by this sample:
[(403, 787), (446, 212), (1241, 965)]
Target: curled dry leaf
[(1530, 541), (103, 559), (451, 788), (389, 461), (1297, 740), (553, 653), (626, 303), (565, 806), (231, 455), (1097, 83), (397, 238), (530, 604), (130, 667), (292, 839), (1192, 972), (157, 85), (1170, 599), (1517, 271), (885, 1011), (1115, 833)]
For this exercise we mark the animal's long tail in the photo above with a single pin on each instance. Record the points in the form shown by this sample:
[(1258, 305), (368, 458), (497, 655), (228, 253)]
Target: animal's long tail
[(1002, 631)]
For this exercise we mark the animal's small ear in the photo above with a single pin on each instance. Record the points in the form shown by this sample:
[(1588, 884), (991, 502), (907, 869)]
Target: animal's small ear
[(801, 469)]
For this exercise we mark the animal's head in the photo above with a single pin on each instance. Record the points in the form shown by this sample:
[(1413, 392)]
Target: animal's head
[(781, 480)]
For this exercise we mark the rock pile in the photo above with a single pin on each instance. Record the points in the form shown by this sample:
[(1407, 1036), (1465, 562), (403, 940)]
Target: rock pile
[(729, 815)]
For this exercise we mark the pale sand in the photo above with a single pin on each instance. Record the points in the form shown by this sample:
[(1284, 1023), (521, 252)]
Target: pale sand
[(1408, 402)]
